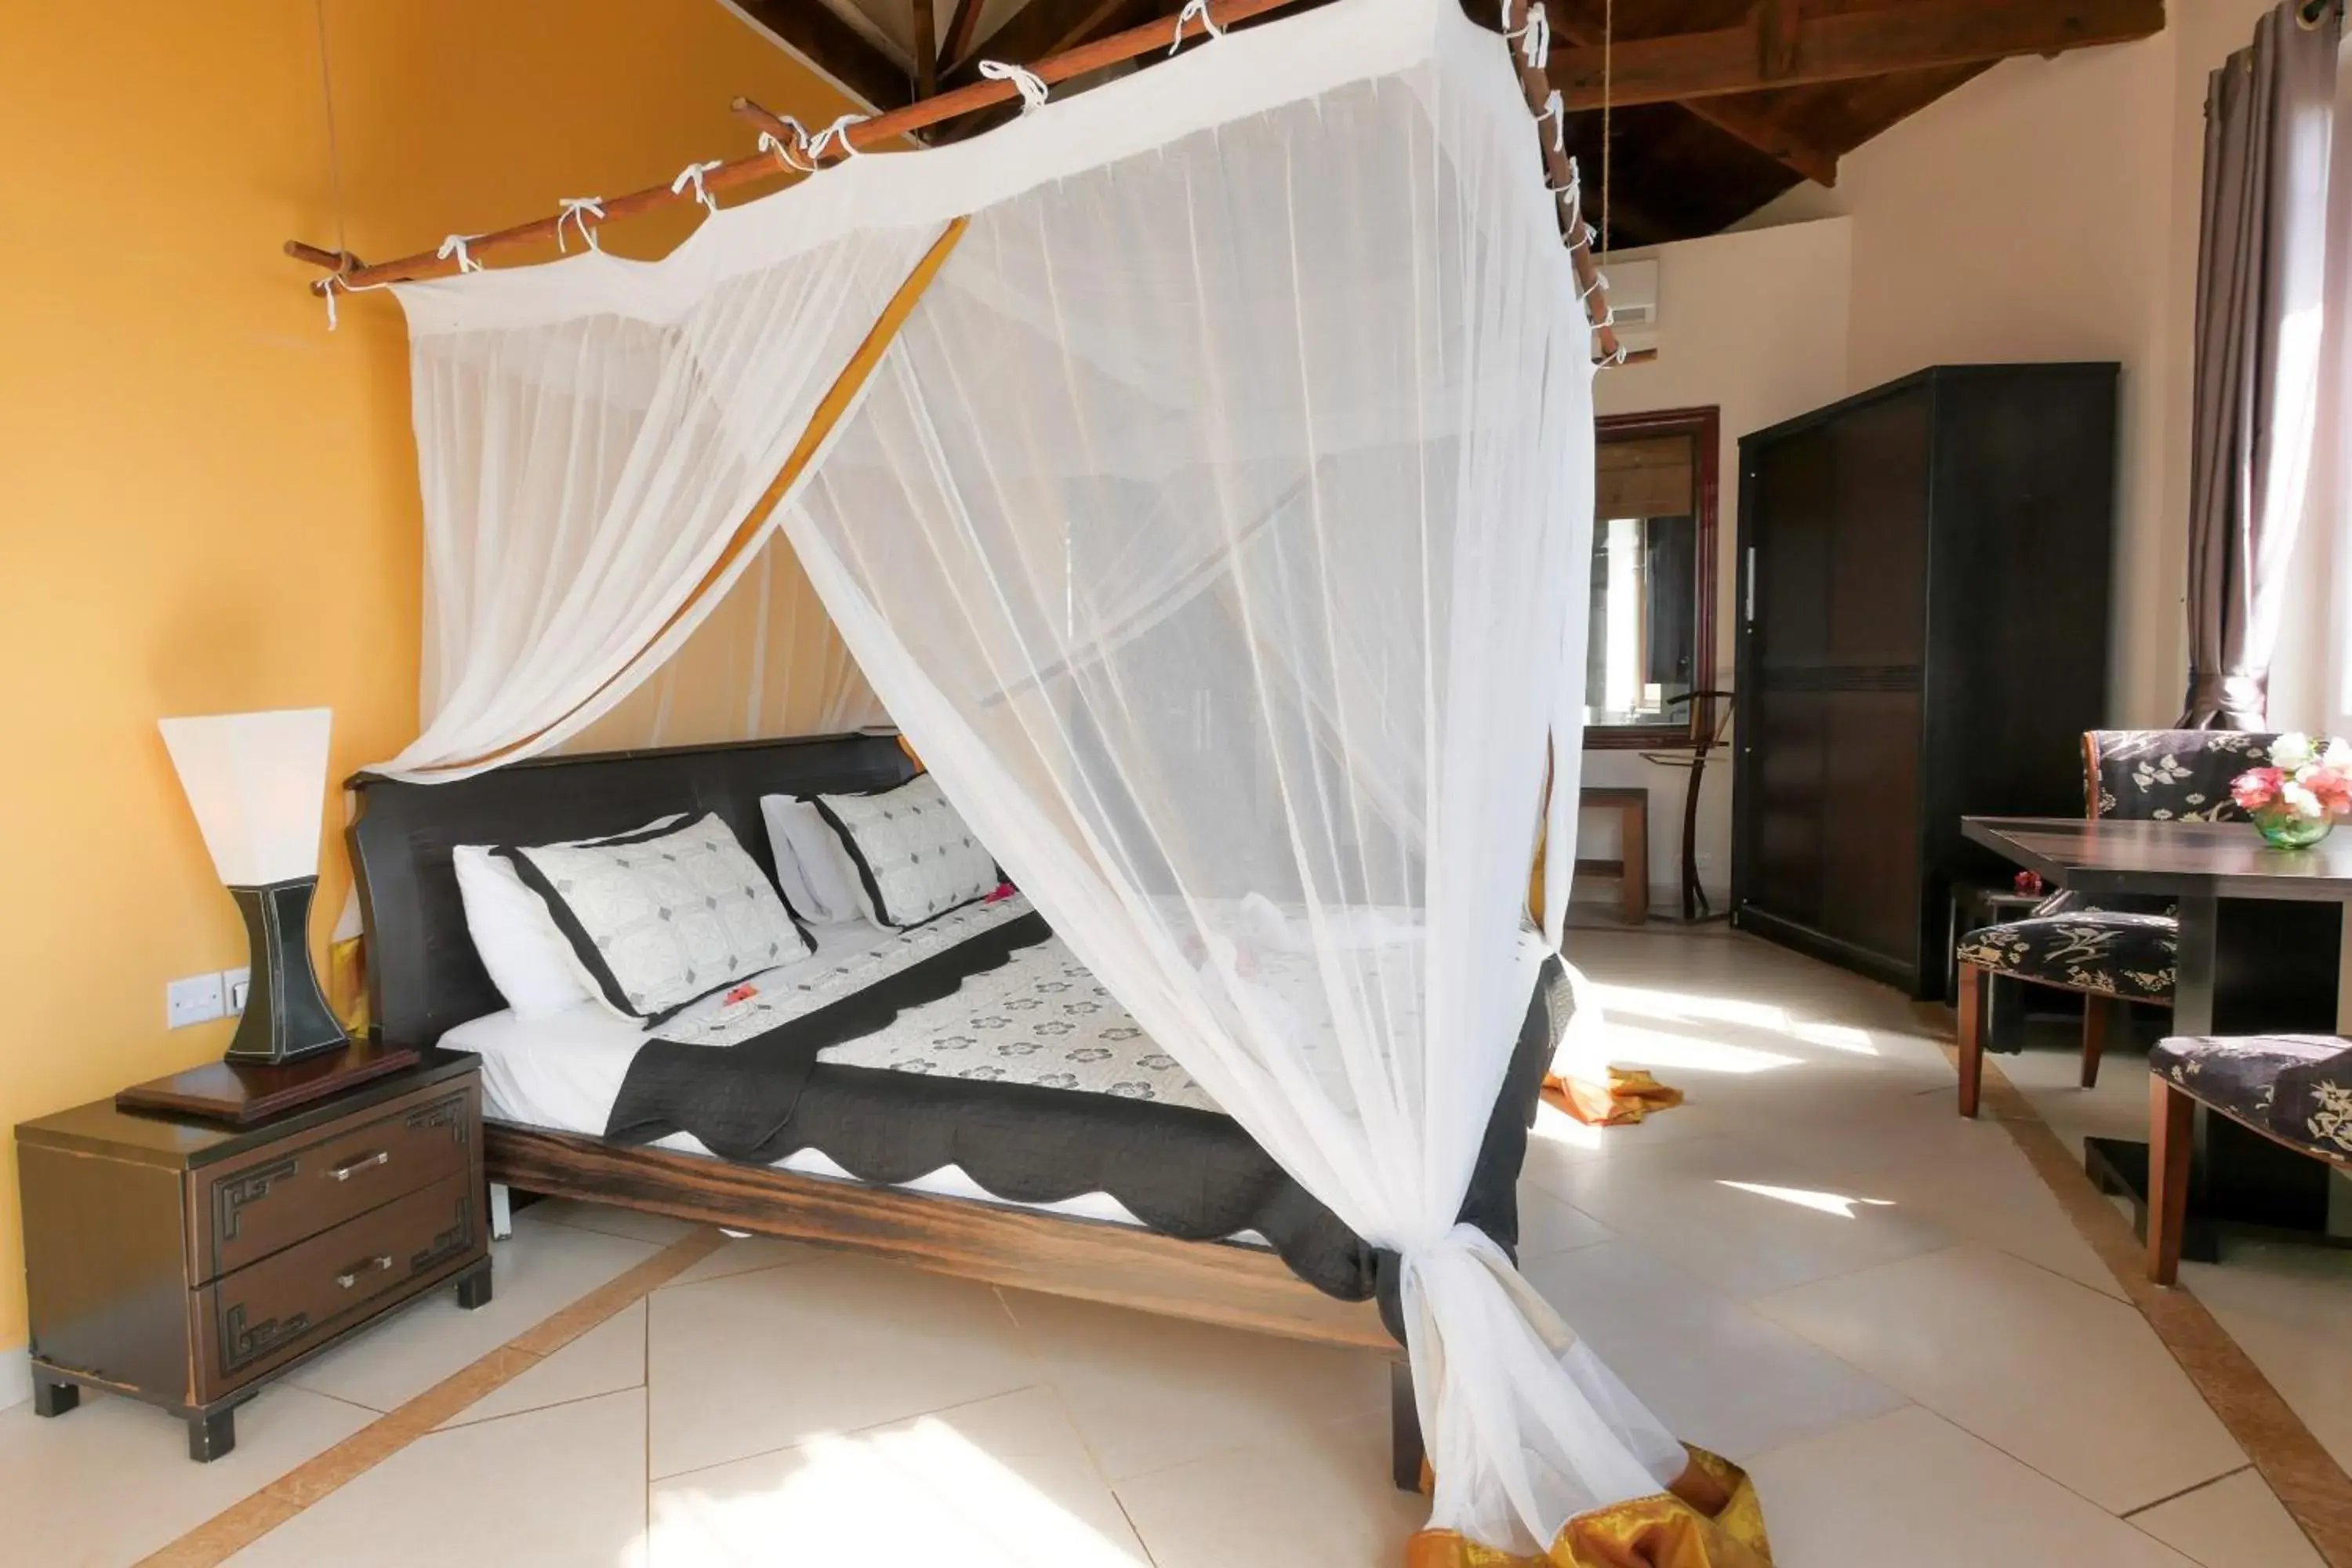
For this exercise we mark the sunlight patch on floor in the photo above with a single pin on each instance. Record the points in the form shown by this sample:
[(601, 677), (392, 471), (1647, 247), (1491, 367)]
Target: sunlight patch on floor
[(864, 1498), (1836, 1037), (1837, 1204), (1630, 1043), (1691, 1007)]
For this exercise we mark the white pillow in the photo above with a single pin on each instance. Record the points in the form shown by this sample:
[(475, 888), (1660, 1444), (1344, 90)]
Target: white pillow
[(818, 877), (662, 918), (529, 960), (914, 856)]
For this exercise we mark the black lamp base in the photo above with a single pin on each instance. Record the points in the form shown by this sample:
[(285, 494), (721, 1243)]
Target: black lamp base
[(286, 1014)]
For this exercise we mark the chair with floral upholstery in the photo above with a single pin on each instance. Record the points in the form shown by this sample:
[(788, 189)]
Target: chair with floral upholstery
[(2295, 1090), (2115, 950)]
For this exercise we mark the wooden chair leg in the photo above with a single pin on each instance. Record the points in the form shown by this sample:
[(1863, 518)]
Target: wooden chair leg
[(2098, 1012), (1971, 1032), (2171, 1120)]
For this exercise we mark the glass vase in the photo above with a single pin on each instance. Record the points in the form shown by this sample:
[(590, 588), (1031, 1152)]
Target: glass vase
[(2286, 830)]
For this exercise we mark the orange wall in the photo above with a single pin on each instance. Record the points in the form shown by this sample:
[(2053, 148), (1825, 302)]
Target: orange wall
[(208, 504)]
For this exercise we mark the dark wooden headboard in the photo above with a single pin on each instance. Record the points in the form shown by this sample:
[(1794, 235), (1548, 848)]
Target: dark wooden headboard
[(424, 978)]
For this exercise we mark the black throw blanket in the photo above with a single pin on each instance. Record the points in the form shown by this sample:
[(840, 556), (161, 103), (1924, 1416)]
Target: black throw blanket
[(1182, 1172)]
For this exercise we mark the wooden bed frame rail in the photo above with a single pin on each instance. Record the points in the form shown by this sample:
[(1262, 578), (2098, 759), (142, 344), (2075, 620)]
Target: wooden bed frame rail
[(1226, 1283)]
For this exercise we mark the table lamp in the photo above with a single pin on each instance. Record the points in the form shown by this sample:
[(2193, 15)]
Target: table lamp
[(258, 784)]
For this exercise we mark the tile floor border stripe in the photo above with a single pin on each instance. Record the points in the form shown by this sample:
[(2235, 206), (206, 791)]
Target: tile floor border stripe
[(2307, 1480), (244, 1522)]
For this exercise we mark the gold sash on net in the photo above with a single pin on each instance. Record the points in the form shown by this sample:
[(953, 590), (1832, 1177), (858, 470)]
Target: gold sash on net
[(1710, 1518)]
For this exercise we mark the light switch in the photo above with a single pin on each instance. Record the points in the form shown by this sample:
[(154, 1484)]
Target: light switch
[(198, 999)]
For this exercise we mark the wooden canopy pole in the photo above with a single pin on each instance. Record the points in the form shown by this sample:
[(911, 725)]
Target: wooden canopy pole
[(878, 129)]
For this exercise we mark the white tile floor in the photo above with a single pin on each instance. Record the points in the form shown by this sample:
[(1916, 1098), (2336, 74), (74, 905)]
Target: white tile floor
[(1815, 1267)]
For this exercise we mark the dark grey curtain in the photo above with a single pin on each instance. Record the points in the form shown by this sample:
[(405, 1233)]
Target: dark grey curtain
[(2261, 271)]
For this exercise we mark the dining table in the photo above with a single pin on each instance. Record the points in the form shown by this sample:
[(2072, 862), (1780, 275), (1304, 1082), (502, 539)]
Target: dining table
[(2264, 945)]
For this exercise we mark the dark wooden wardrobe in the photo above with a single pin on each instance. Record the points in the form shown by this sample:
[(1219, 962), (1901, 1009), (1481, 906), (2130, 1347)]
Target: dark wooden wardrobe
[(1922, 604)]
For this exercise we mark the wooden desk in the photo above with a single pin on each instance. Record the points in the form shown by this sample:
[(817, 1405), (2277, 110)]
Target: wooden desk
[(1631, 867), (2251, 961)]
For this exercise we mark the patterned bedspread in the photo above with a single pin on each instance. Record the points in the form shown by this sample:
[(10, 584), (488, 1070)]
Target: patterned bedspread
[(1041, 1019)]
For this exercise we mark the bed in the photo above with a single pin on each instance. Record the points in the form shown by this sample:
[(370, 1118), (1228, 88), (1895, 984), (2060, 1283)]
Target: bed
[(962, 1097)]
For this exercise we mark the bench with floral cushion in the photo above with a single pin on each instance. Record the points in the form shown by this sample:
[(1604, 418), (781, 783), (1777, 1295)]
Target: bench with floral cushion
[(2117, 950), (2294, 1089)]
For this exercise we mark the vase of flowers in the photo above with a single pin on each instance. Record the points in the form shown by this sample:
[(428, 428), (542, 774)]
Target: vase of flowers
[(2296, 800)]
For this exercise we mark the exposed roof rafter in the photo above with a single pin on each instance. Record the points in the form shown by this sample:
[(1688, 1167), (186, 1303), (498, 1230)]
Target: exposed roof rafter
[(1748, 123), (814, 32), (1770, 50)]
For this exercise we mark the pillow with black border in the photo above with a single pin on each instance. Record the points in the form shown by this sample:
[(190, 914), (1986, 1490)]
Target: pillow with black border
[(915, 857), (662, 918)]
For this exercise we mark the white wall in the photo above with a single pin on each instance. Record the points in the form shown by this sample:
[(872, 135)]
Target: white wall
[(1754, 324), (2047, 210)]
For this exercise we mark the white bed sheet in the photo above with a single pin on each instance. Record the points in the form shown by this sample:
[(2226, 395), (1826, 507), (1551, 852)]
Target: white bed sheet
[(565, 1071)]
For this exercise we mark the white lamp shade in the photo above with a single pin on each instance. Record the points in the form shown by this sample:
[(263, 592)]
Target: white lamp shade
[(258, 782)]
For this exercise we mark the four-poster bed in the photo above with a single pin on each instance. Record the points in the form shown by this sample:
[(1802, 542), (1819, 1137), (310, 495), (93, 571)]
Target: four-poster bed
[(1199, 469), (427, 983)]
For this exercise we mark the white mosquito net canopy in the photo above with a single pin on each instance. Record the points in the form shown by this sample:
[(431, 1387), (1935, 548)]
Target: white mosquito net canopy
[(1200, 470)]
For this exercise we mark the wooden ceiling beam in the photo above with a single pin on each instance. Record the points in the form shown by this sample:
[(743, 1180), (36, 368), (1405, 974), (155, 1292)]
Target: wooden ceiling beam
[(836, 49), (926, 49), (1770, 50), (1040, 29), (963, 31), (1745, 122)]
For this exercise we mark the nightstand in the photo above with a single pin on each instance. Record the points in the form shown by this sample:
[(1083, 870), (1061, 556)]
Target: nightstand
[(187, 1264)]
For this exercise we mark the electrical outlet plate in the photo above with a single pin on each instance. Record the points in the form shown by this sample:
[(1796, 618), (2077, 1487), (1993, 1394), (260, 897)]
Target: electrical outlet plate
[(235, 984), (198, 999)]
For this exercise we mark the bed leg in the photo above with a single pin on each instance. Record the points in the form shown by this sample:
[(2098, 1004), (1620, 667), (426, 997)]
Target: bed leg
[(1406, 1453), (502, 1212)]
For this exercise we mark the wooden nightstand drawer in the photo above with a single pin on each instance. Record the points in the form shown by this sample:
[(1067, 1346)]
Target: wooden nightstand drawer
[(283, 1195), (259, 1316), (186, 1263)]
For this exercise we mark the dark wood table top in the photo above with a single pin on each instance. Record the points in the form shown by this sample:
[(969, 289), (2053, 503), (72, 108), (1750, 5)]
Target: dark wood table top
[(2216, 859)]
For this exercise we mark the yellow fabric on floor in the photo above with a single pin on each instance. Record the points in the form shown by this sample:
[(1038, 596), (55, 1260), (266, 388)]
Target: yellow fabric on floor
[(1710, 1519), (1630, 1095)]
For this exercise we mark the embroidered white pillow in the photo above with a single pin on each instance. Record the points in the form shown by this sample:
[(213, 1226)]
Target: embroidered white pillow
[(662, 918), (915, 858), (819, 881), (529, 960)]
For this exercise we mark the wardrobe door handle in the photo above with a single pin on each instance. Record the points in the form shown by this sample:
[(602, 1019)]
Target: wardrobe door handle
[(351, 1277), (352, 1167)]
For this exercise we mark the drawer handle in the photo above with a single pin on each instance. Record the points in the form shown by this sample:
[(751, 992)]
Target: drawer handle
[(349, 1168), (351, 1277)]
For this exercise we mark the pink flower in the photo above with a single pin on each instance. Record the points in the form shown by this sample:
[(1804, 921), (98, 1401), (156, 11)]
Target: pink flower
[(2257, 787), (2333, 788)]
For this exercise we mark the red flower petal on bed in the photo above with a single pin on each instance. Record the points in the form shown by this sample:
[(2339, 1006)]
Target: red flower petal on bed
[(740, 994), (1003, 892)]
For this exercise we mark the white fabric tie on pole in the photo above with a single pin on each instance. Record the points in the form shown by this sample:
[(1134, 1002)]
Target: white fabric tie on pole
[(575, 212), (1535, 38), (791, 151), (692, 175), (837, 134), (1196, 8), (455, 244), (1028, 83), (1234, 629)]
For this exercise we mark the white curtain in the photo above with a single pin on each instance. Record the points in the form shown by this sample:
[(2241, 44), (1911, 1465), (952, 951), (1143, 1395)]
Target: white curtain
[(2311, 675), (1216, 527), (587, 452), (764, 660)]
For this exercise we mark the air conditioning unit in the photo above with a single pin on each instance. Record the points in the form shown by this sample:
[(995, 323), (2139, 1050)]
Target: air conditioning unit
[(1633, 295)]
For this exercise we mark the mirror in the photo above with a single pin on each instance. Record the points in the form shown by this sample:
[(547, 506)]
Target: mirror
[(1653, 583)]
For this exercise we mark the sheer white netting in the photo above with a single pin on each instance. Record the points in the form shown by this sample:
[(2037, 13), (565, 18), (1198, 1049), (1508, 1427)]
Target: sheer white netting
[(1215, 526)]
